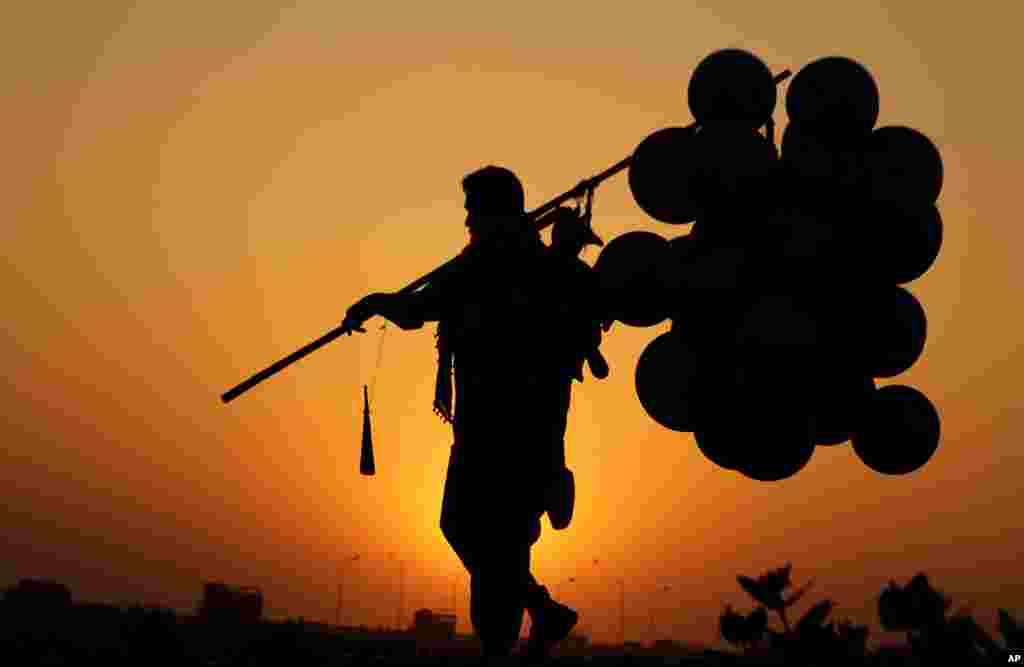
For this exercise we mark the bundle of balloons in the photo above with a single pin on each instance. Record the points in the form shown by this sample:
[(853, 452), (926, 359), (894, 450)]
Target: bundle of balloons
[(788, 296)]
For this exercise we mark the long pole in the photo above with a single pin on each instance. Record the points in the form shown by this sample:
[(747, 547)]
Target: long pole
[(653, 609), (401, 594), (536, 216), (341, 584), (337, 615), (666, 610), (622, 612)]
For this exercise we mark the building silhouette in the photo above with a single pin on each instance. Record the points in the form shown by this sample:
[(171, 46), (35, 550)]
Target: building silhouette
[(38, 596), (231, 604), (430, 626)]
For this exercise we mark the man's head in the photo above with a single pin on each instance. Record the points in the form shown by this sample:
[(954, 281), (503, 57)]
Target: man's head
[(492, 193)]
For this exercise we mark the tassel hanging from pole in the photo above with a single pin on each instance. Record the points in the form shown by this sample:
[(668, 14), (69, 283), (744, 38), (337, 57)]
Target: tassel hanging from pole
[(366, 466)]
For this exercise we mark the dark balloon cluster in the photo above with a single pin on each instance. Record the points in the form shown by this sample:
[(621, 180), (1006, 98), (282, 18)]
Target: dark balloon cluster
[(788, 297)]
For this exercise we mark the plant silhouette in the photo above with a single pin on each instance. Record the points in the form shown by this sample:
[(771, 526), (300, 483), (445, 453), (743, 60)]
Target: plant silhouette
[(922, 612), (808, 642)]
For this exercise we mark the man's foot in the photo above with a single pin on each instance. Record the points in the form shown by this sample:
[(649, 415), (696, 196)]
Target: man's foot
[(550, 623), (497, 660)]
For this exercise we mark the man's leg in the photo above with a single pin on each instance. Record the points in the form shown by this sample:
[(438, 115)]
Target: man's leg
[(491, 550), (537, 597), (550, 621), (455, 521), (497, 596)]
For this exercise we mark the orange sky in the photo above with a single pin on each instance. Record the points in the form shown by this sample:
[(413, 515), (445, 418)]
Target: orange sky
[(195, 190)]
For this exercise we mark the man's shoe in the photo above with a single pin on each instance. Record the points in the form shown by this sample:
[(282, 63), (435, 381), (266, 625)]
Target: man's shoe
[(550, 623)]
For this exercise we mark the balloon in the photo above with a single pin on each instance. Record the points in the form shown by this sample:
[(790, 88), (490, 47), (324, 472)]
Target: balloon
[(709, 289), (879, 330), (674, 270), (835, 96), (732, 85), (805, 237), (821, 249), (735, 172), (903, 167), (902, 243), (777, 420), (660, 175), (717, 402), (823, 170), (754, 424), (717, 443), (839, 399), (778, 320), (629, 274), (664, 381), (891, 327), (785, 450), (806, 156), (716, 269), (900, 431)]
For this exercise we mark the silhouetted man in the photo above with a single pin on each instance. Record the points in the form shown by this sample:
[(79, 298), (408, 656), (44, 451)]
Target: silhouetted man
[(499, 308)]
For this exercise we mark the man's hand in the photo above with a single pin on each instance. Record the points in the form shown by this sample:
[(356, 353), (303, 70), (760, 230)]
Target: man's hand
[(598, 364), (392, 306), (361, 311)]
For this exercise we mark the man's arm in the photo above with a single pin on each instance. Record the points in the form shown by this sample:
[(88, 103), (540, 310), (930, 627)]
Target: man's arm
[(410, 311), (407, 311)]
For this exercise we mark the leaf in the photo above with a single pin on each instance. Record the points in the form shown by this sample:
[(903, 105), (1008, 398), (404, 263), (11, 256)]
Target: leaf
[(732, 627), (750, 586), (754, 589), (926, 605), (776, 581), (815, 616), (792, 599), (757, 622), (982, 638), (769, 598), (1011, 631), (893, 608), (919, 584)]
